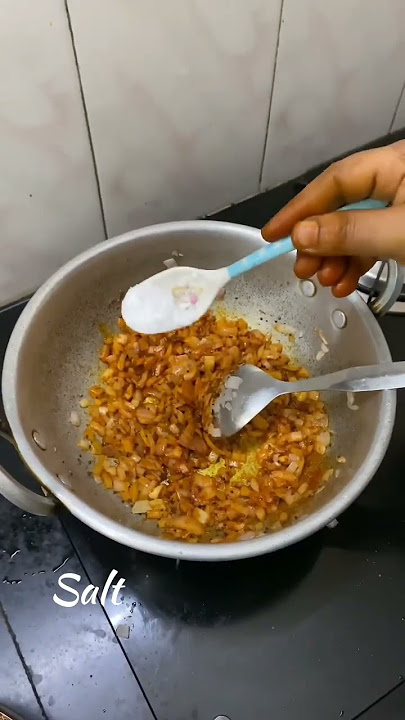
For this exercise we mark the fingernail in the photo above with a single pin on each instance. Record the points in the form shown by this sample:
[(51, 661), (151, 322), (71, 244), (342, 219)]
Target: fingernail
[(306, 234)]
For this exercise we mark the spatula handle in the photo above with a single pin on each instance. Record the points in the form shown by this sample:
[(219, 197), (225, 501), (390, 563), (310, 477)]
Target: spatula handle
[(385, 376)]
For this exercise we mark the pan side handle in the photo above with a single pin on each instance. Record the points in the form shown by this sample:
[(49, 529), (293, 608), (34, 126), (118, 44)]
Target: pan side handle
[(24, 498), (390, 293), (21, 496)]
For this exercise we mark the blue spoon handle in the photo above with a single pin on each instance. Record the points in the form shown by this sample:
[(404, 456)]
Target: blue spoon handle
[(266, 253), (281, 247)]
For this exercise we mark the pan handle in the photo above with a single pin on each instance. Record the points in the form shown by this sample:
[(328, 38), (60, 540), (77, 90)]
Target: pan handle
[(24, 498), (391, 291), (21, 496)]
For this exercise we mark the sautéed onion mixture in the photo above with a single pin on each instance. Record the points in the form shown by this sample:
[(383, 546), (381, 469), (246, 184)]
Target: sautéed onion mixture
[(150, 430)]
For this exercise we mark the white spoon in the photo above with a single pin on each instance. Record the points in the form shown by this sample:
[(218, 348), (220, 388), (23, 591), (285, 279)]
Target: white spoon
[(179, 296)]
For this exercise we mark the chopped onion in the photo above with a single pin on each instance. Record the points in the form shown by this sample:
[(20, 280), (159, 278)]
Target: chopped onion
[(170, 263), (292, 467), (333, 524), (202, 515), (176, 253), (215, 432), (248, 536), (319, 355), (350, 401), (324, 348), (123, 631), (322, 336), (141, 507), (74, 418), (341, 459), (119, 485), (327, 475), (154, 494), (217, 405), (285, 329), (324, 438), (233, 382), (225, 399)]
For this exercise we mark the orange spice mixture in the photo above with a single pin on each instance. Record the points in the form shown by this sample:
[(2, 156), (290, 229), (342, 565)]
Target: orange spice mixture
[(148, 430)]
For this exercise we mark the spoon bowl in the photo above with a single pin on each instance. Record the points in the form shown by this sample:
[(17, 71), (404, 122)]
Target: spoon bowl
[(171, 299), (241, 401), (178, 297)]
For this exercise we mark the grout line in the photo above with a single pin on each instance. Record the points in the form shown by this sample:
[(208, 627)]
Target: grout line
[(362, 714), (273, 82), (22, 660), (124, 652), (396, 107), (86, 115)]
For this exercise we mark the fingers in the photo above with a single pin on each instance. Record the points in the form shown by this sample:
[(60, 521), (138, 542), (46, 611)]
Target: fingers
[(376, 233), (342, 274), (333, 270), (306, 265), (330, 270), (374, 173), (341, 246), (355, 269)]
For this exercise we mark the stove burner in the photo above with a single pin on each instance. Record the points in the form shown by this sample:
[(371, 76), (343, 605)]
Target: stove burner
[(371, 284)]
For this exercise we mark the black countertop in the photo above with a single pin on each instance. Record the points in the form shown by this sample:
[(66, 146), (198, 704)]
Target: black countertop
[(314, 632)]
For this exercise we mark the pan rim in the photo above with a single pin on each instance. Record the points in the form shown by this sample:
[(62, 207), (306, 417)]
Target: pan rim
[(155, 545)]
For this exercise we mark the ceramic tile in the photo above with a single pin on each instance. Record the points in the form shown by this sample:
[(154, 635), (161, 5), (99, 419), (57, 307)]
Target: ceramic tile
[(399, 119), (49, 207), (177, 95), (339, 72)]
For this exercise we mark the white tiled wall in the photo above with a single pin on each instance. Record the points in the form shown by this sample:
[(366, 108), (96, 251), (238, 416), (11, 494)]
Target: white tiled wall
[(399, 120), (49, 207), (177, 95), (340, 70)]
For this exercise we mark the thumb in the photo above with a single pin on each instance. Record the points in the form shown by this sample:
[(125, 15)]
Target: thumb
[(363, 233)]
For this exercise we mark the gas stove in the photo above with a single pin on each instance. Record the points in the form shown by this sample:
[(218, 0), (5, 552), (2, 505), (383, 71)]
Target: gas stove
[(316, 630)]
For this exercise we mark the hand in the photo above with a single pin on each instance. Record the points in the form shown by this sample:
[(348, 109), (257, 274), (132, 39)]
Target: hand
[(342, 246)]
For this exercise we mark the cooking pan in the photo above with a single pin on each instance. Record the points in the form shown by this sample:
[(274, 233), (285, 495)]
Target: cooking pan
[(52, 359)]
